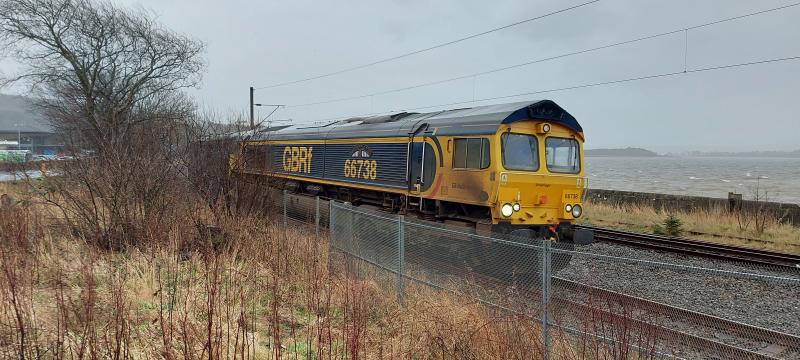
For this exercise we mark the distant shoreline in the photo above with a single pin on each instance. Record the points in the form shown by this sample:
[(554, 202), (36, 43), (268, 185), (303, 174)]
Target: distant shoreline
[(640, 152), (626, 152), (751, 154)]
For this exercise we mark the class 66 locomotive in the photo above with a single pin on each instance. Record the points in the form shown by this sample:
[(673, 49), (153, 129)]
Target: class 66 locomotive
[(509, 170)]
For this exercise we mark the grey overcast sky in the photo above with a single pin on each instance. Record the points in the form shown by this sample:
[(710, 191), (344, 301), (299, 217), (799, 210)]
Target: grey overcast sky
[(740, 109)]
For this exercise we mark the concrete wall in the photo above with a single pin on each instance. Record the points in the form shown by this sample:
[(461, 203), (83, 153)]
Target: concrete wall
[(789, 213)]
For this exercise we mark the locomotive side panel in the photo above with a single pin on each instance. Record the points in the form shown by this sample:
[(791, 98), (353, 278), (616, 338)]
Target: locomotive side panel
[(297, 159), (379, 164)]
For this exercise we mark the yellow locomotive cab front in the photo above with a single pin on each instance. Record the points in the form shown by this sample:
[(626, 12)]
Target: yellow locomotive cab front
[(541, 176)]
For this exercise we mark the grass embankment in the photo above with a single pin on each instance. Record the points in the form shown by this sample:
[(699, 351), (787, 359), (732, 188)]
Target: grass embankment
[(717, 225), (248, 290), (14, 188), (244, 288)]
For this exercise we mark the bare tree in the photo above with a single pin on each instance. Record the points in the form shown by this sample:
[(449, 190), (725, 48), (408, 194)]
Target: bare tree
[(110, 81), (100, 71)]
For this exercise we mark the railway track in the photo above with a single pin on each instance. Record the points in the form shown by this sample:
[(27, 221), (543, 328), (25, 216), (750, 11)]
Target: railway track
[(652, 319), (649, 319), (780, 342), (574, 302), (642, 316), (697, 247)]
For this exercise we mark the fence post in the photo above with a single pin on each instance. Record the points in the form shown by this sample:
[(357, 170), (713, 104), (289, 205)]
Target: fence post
[(546, 281), (352, 245), (331, 234), (401, 257), (352, 248), (316, 217), (285, 200)]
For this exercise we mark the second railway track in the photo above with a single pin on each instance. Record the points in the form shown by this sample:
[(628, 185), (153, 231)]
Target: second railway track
[(649, 319), (697, 247)]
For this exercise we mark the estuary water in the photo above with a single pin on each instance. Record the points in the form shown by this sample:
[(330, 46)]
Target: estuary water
[(698, 176), (19, 175)]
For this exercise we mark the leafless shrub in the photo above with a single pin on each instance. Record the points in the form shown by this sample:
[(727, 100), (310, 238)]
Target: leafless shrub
[(757, 212), (210, 143), (743, 219), (762, 214), (213, 170), (17, 280)]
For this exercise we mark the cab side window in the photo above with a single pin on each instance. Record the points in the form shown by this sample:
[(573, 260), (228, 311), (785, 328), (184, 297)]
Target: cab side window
[(471, 153)]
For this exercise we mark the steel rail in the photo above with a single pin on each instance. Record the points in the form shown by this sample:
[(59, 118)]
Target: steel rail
[(789, 341), (696, 247), (662, 332), (666, 334)]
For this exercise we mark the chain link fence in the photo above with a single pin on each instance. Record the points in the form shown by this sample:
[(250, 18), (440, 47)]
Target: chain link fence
[(596, 301)]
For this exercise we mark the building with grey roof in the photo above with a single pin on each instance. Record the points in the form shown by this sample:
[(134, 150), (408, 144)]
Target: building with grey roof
[(22, 128)]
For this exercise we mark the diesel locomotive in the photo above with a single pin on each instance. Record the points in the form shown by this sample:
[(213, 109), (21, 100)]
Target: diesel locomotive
[(512, 169)]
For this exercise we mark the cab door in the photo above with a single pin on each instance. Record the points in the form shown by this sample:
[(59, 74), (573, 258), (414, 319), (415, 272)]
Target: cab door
[(422, 165), (415, 181)]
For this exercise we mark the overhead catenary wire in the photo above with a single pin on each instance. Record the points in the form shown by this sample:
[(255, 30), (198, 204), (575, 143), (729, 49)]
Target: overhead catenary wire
[(419, 51), (683, 30), (575, 87)]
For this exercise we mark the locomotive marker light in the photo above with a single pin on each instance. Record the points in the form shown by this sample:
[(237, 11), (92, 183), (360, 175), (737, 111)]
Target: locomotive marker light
[(568, 208), (516, 206), (544, 128), (507, 210)]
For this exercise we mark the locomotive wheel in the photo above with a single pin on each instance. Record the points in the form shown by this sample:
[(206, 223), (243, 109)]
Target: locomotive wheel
[(559, 260), (525, 268), (525, 236)]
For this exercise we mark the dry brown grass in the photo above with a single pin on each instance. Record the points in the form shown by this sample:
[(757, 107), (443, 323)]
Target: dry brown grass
[(717, 225), (242, 289), (14, 188), (247, 290)]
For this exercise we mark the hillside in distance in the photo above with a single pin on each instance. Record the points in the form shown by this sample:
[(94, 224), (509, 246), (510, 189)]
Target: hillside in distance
[(626, 152), (755, 154)]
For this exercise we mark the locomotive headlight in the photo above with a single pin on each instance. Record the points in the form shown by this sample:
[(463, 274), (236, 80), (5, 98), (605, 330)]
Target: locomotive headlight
[(507, 210), (546, 127), (516, 206), (568, 208), (577, 211)]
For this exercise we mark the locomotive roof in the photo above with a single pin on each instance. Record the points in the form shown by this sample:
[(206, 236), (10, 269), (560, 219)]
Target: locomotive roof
[(480, 120)]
